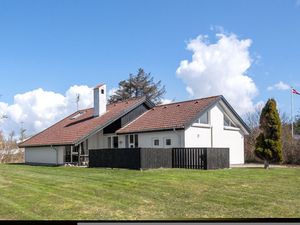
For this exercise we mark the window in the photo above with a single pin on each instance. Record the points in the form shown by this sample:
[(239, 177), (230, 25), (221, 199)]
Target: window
[(204, 119), (77, 115), (102, 91), (156, 142), (68, 154), (115, 142), (132, 141), (168, 142), (228, 122), (136, 141)]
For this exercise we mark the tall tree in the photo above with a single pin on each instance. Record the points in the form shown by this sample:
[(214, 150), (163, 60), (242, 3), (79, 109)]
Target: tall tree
[(268, 143), (297, 125), (141, 84)]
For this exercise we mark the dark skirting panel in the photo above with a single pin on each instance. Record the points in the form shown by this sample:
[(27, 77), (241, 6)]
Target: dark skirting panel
[(150, 158)]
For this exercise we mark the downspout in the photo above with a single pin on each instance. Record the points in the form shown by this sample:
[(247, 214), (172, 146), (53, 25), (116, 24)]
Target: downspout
[(179, 136), (56, 150), (211, 137)]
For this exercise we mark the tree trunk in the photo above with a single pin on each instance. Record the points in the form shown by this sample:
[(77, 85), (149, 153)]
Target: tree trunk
[(266, 164)]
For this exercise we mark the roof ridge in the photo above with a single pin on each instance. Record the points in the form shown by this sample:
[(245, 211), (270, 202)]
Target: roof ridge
[(131, 99), (197, 99)]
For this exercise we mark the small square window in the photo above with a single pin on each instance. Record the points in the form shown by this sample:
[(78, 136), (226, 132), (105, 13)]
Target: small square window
[(102, 91), (156, 142), (168, 142)]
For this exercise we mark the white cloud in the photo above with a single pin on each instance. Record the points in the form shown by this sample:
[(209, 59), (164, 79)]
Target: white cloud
[(279, 86), (166, 101), (39, 109), (220, 68), (112, 91)]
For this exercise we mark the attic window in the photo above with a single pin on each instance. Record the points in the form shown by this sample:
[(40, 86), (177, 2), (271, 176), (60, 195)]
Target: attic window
[(228, 122), (77, 115), (204, 119), (102, 91)]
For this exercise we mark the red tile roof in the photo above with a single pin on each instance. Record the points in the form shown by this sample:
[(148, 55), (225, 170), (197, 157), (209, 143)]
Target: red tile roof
[(68, 131), (169, 116)]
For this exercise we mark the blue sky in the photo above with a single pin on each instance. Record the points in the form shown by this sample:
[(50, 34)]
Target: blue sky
[(57, 44)]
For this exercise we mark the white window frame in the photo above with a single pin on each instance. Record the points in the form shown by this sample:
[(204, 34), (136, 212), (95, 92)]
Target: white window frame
[(135, 141), (111, 144)]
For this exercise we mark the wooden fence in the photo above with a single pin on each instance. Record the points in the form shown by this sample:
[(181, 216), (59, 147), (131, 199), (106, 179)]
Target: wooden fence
[(189, 158), (146, 158), (200, 158)]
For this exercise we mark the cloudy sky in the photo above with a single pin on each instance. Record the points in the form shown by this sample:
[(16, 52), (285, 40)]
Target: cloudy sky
[(51, 50)]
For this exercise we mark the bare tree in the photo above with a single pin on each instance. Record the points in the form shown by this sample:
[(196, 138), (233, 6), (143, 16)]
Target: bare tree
[(252, 120), (22, 132)]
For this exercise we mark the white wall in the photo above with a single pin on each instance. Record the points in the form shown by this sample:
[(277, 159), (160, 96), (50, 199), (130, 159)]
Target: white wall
[(215, 135), (146, 139), (44, 155), (96, 141), (99, 140), (198, 137), (232, 139)]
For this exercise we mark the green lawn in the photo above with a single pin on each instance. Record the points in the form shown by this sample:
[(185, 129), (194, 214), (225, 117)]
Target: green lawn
[(68, 193)]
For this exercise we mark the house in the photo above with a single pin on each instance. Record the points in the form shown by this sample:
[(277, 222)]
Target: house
[(207, 122)]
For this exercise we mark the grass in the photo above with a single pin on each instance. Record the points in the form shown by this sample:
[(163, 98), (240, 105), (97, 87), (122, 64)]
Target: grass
[(68, 193)]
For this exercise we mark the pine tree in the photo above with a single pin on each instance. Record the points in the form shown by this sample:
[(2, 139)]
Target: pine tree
[(141, 84), (268, 144)]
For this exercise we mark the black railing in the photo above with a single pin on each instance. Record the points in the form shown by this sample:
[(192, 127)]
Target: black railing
[(189, 158)]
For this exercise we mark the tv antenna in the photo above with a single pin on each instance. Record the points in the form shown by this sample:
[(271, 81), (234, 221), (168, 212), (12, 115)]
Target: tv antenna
[(77, 100)]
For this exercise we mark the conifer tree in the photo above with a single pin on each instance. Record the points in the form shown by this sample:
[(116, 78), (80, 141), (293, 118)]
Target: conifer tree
[(139, 85), (268, 144)]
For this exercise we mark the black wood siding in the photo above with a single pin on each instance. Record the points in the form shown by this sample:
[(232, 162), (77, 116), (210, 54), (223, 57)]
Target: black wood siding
[(133, 114), (113, 127)]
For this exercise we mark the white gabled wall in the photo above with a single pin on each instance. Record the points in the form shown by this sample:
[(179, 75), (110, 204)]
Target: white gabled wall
[(44, 155), (215, 135)]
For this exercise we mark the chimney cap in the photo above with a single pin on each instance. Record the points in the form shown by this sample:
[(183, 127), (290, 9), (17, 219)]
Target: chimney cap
[(98, 86)]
